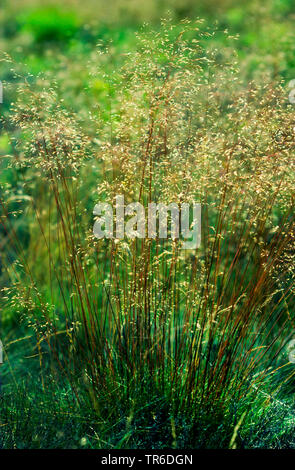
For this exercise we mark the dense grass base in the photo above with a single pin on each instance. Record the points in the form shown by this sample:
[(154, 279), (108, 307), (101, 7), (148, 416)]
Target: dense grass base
[(34, 418)]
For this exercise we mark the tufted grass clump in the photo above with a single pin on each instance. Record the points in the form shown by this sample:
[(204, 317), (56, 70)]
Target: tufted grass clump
[(138, 329)]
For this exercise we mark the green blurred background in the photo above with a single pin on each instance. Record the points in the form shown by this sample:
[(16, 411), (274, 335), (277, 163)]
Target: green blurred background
[(35, 31)]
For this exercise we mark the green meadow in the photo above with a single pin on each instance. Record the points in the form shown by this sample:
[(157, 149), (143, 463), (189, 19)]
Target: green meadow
[(136, 342)]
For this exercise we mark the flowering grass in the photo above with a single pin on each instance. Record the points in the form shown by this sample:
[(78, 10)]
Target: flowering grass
[(145, 343)]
